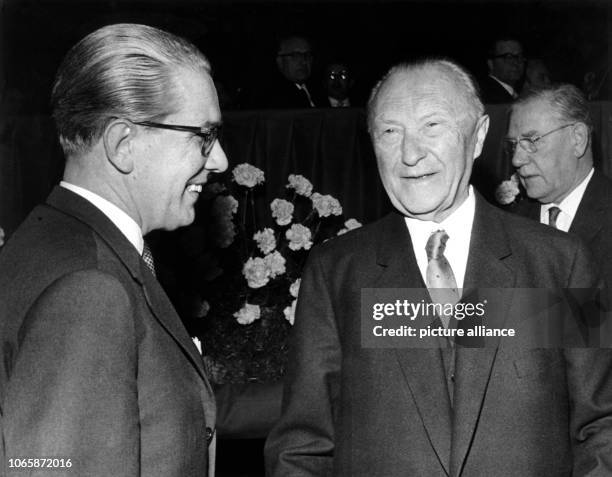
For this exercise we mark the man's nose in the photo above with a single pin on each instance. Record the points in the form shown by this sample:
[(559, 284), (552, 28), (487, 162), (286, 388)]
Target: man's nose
[(520, 157), (412, 150), (217, 160)]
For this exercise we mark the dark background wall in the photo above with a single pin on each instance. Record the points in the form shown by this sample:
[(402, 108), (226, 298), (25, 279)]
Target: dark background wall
[(239, 37)]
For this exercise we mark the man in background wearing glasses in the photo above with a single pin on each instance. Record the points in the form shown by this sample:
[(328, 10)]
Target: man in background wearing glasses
[(98, 376), (506, 66), (289, 87), (549, 142)]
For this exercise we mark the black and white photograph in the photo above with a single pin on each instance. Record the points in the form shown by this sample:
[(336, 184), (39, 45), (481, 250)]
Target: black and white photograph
[(349, 238)]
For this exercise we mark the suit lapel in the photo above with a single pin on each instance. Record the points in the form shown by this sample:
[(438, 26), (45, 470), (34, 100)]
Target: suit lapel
[(587, 222), (422, 368), (81, 209), (487, 268)]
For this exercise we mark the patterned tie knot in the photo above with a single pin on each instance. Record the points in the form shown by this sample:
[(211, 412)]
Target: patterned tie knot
[(436, 244), (147, 256), (553, 213)]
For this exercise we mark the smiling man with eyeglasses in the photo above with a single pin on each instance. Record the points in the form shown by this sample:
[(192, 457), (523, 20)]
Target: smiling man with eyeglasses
[(98, 372), (549, 142), (506, 66)]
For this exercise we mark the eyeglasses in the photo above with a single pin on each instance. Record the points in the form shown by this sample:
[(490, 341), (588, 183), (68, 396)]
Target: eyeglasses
[(297, 55), (338, 75), (511, 57), (208, 135), (530, 144)]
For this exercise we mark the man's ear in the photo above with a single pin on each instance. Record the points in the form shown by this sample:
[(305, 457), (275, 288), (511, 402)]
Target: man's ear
[(580, 139), (118, 144), (482, 127)]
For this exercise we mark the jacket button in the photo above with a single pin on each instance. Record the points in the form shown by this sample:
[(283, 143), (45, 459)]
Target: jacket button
[(209, 434)]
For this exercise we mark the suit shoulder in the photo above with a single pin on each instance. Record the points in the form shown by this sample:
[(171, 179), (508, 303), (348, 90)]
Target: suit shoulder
[(531, 234), (358, 240)]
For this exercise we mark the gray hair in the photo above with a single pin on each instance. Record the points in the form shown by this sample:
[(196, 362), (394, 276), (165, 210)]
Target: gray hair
[(566, 99), (122, 70), (459, 75)]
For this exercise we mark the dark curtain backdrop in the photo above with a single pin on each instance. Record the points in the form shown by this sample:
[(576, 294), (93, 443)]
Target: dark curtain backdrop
[(331, 147)]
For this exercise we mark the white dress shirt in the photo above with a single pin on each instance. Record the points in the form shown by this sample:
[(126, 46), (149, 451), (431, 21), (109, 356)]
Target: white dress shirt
[(506, 86), (458, 226), (568, 206), (339, 103), (303, 87), (122, 221)]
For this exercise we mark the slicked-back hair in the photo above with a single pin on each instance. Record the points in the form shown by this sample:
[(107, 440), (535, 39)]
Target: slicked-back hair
[(465, 82), (118, 71), (566, 99)]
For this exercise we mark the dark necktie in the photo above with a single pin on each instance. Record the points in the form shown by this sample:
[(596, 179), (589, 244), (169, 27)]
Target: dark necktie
[(147, 256), (440, 278), (553, 213)]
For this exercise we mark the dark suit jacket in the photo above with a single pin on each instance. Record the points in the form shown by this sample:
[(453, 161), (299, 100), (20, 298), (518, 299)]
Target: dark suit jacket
[(353, 411), (592, 222), (96, 365), (279, 93), (492, 92)]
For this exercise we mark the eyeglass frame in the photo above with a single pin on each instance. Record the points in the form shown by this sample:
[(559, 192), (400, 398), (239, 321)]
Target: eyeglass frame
[(344, 74), (294, 55), (532, 141), (510, 57), (206, 133)]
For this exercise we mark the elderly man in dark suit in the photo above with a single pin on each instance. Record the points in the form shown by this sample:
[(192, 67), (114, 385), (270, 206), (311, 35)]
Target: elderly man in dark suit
[(98, 374), (549, 140), (356, 410)]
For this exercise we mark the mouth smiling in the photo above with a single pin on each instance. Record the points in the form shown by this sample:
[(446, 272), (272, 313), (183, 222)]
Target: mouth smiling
[(420, 177), (196, 188)]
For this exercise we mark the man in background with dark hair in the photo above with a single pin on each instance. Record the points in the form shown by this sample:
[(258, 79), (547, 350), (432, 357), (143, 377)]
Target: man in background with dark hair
[(98, 373), (506, 65)]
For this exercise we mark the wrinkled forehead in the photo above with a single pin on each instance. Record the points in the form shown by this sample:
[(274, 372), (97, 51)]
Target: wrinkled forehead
[(534, 116), (421, 91)]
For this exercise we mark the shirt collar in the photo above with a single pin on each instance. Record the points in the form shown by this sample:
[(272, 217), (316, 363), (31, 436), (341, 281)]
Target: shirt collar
[(458, 226), (568, 206), (122, 221), (337, 103), (506, 86)]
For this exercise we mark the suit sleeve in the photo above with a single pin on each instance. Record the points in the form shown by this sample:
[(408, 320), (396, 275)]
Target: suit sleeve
[(589, 377), (72, 391), (302, 443)]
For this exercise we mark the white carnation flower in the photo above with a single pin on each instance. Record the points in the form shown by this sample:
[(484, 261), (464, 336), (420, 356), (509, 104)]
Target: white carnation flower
[(282, 211), (275, 264), (248, 314), (299, 237), (301, 185), (294, 289), (256, 272), (507, 191), (326, 205), (247, 175), (265, 240), (289, 312)]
